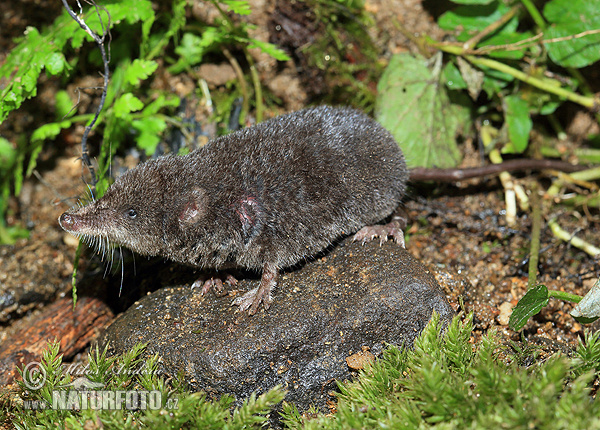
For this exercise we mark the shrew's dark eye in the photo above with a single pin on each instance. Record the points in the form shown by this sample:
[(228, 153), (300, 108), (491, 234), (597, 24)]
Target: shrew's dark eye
[(131, 213)]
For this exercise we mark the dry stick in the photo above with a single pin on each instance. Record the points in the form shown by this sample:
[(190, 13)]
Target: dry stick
[(451, 175), (492, 27), (85, 157)]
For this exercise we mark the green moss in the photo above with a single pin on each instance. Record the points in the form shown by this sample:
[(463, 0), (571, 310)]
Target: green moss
[(444, 382)]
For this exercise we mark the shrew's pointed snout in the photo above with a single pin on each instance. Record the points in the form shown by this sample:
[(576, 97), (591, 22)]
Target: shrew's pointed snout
[(68, 222)]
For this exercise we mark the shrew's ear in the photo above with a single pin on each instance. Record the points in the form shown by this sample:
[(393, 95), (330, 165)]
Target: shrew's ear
[(193, 206), (250, 212)]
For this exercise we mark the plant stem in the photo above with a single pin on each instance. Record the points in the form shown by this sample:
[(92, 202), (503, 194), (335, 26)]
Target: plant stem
[(561, 295), (243, 85), (548, 85), (536, 228), (572, 239), (535, 14), (257, 87)]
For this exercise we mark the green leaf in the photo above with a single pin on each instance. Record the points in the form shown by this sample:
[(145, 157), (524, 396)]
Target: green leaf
[(569, 18), (531, 304), (474, 18), (126, 104), (516, 114), (150, 129), (238, 6), (505, 38), (64, 104), (56, 63), (193, 47), (39, 136), (161, 102), (269, 48), (139, 70), (8, 154), (588, 309), (49, 131), (452, 77), (414, 106)]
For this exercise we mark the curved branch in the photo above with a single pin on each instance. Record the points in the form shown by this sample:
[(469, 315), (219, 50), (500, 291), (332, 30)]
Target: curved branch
[(99, 39)]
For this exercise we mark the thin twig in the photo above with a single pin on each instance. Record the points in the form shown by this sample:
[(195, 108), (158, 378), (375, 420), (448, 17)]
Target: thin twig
[(452, 175), (85, 157), (492, 27)]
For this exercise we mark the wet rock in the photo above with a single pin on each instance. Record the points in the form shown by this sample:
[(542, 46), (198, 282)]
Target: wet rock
[(355, 299)]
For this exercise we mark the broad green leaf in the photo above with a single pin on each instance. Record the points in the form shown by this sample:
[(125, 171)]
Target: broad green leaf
[(570, 18), (531, 304), (453, 78), (139, 70), (518, 121), (414, 106), (474, 18), (588, 309), (126, 104)]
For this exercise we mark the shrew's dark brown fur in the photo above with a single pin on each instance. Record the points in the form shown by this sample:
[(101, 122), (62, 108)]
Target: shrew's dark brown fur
[(264, 198)]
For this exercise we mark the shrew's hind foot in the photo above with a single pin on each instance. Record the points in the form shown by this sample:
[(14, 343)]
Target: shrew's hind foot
[(392, 229), (252, 300)]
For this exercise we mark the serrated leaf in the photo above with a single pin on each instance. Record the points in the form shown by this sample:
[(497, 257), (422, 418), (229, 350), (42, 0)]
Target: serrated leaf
[(238, 6), (139, 70), (126, 104), (55, 63), (569, 18), (270, 49), (161, 102), (414, 106), (518, 122), (150, 129), (589, 307), (49, 131), (192, 48), (530, 304)]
